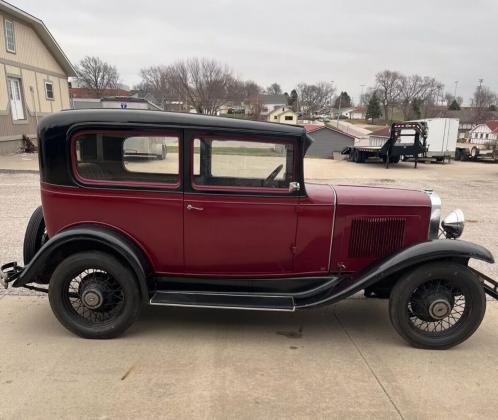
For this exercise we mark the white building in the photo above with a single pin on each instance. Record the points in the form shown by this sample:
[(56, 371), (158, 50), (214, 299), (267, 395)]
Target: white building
[(283, 115), (484, 133), (270, 102)]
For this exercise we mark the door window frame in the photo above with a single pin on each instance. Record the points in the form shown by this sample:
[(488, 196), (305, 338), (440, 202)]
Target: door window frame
[(190, 187), (115, 184)]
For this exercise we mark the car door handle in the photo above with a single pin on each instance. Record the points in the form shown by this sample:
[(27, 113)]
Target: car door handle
[(191, 207)]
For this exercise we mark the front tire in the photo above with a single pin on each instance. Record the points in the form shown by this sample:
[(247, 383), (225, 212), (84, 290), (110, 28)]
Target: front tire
[(437, 305), (94, 295)]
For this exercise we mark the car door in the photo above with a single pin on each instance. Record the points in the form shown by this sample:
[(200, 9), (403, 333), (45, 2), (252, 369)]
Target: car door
[(239, 216)]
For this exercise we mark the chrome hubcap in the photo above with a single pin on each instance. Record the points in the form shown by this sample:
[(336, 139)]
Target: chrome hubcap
[(439, 309), (92, 298)]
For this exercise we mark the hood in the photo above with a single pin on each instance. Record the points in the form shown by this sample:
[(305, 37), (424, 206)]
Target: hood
[(380, 196)]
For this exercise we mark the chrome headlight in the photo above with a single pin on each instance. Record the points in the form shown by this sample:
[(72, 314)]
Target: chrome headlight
[(453, 224), (435, 214)]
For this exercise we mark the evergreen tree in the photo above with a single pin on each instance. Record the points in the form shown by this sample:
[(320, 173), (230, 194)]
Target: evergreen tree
[(344, 100), (454, 106), (373, 109)]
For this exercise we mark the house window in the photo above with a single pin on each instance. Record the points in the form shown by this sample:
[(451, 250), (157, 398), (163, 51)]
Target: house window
[(145, 159), (289, 118), (10, 40), (226, 163), (49, 90), (275, 117)]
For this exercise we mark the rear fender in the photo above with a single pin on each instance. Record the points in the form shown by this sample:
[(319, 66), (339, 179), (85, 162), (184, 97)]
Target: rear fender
[(396, 264), (85, 238)]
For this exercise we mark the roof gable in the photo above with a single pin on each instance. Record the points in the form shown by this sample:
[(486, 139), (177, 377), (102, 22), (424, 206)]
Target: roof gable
[(42, 31)]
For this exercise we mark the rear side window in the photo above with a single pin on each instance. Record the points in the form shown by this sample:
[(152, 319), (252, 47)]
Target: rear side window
[(120, 158), (221, 163)]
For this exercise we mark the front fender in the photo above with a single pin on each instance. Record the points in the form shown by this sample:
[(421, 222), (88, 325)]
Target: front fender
[(439, 249), (84, 238)]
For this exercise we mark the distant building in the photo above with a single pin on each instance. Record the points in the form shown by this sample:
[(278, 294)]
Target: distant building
[(119, 102), (81, 92), (341, 113), (327, 141), (357, 113), (34, 75), (269, 102), (234, 108), (283, 115), (484, 133)]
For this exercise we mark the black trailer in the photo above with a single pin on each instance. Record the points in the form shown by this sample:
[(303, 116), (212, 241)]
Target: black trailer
[(395, 146)]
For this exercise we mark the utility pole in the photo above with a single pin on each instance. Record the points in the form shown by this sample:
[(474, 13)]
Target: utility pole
[(361, 95), (339, 111), (455, 92)]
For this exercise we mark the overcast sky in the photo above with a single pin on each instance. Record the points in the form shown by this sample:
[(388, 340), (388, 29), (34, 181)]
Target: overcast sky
[(286, 41)]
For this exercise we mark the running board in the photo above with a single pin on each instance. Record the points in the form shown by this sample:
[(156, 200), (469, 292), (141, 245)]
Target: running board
[(247, 301)]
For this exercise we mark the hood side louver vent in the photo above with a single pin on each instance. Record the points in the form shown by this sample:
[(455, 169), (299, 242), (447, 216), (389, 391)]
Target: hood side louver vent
[(376, 236)]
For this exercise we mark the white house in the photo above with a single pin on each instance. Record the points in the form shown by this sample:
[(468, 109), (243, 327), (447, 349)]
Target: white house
[(484, 133), (357, 113), (283, 114), (270, 102)]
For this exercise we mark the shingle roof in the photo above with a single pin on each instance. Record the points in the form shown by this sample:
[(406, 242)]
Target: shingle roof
[(493, 125), (312, 128), (273, 99)]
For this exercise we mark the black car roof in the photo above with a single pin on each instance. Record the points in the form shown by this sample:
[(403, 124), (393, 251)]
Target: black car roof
[(127, 116)]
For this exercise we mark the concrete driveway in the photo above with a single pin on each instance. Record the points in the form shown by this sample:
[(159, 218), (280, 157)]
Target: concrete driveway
[(342, 362)]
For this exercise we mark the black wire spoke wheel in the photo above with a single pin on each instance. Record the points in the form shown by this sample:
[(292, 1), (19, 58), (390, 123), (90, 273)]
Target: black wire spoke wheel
[(94, 295), (437, 305)]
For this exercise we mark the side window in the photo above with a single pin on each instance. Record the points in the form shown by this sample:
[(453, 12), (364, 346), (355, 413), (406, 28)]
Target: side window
[(49, 90), (235, 164), (117, 158), (10, 39)]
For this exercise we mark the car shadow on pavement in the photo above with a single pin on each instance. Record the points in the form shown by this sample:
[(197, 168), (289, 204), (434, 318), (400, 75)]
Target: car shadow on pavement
[(343, 319)]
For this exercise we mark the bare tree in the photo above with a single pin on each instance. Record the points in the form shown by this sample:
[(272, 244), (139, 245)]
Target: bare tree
[(204, 83), (483, 99), (415, 93), (274, 89), (156, 81), (388, 89), (96, 75), (316, 98)]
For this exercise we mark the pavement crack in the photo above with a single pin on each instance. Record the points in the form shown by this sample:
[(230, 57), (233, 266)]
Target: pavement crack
[(127, 373), (368, 365)]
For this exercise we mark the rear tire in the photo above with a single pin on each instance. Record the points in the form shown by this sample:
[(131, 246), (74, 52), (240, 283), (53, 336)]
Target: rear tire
[(458, 154), (35, 236), (474, 153), (437, 305), (94, 295)]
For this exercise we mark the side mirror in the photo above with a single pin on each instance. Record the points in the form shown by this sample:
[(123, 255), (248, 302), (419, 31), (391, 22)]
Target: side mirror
[(294, 186)]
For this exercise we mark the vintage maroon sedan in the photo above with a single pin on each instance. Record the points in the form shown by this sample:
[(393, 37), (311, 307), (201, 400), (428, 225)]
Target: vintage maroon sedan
[(225, 220)]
